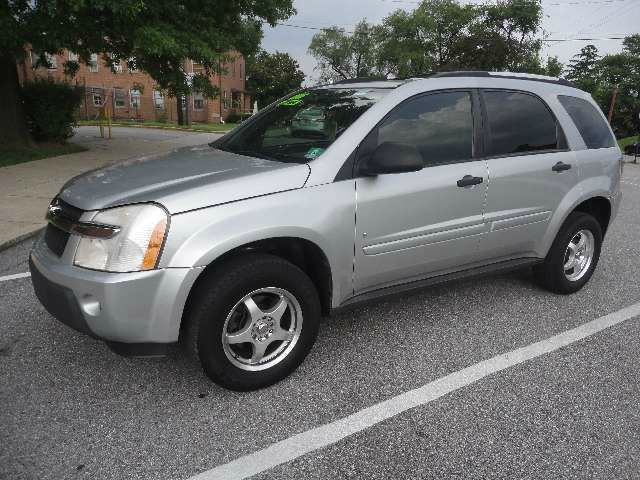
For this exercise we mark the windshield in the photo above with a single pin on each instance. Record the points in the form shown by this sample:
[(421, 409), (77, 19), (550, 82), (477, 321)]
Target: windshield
[(303, 126)]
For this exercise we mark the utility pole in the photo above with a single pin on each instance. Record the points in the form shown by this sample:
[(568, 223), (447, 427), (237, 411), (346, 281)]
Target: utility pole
[(613, 104)]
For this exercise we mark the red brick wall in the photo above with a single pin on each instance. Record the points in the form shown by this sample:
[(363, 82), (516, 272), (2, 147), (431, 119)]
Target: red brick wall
[(107, 83)]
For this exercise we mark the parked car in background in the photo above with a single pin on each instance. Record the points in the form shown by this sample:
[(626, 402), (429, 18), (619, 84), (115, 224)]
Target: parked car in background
[(237, 249)]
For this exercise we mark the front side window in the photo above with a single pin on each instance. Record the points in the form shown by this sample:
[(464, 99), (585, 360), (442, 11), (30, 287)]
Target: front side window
[(302, 127), (588, 121), (518, 123), (439, 125)]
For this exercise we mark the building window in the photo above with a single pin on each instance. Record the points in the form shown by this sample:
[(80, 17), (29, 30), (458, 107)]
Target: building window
[(52, 61), (235, 99), (158, 99), (97, 96), (132, 65), (135, 98), (119, 98), (93, 62), (198, 101), (35, 58), (117, 67), (73, 57), (225, 100)]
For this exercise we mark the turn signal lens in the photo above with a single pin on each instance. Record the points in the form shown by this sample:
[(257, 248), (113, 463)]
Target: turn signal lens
[(155, 245)]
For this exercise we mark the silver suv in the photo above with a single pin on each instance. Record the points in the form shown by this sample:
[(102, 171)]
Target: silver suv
[(238, 248)]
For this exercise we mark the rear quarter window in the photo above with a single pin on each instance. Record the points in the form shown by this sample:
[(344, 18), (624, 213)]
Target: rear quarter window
[(589, 122)]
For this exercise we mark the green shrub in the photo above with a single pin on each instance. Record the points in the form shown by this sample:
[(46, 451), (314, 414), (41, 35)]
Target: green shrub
[(233, 117), (50, 108)]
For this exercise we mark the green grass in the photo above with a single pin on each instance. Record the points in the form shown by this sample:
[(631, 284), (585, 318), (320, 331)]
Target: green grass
[(13, 154), (623, 142), (195, 127)]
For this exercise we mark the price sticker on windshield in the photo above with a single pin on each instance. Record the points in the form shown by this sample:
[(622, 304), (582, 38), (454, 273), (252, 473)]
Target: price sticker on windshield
[(295, 100), (313, 152)]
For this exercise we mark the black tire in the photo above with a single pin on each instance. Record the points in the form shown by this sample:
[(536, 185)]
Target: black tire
[(217, 295), (550, 274)]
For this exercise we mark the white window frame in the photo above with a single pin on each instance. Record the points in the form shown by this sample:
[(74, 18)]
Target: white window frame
[(225, 100), (135, 98), (115, 97), (158, 100), (97, 93), (200, 98), (52, 60), (93, 63), (135, 68), (73, 57)]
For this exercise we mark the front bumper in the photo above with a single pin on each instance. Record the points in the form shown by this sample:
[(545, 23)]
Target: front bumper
[(134, 312)]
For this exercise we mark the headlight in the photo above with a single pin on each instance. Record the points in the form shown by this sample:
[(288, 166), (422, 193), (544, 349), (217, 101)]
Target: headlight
[(136, 245)]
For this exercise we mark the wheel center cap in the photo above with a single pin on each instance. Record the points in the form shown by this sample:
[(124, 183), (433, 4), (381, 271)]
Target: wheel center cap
[(262, 329)]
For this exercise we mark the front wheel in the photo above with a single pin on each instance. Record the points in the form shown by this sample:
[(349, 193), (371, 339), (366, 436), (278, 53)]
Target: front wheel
[(254, 322), (573, 256)]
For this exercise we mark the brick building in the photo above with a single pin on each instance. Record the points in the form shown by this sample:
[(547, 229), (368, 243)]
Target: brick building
[(133, 94)]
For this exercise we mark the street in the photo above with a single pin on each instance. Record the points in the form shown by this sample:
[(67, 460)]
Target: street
[(70, 408)]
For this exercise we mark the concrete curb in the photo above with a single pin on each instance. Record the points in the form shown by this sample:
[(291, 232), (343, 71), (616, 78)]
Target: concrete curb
[(14, 241), (155, 127)]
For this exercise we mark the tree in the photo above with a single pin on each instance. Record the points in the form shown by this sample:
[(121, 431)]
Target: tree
[(271, 76), (342, 55), (583, 68), (158, 36), (438, 35)]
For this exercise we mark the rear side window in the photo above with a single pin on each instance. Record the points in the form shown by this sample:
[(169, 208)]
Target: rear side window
[(518, 123), (589, 122), (439, 125)]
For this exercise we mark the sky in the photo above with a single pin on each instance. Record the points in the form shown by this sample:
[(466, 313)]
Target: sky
[(561, 19)]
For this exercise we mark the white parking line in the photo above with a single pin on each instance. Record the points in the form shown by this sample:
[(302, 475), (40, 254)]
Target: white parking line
[(325, 435), (14, 277)]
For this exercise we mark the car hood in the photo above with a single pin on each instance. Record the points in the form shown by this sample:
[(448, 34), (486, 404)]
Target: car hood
[(184, 179)]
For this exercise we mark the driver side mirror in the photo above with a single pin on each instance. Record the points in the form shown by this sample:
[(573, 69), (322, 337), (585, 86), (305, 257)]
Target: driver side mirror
[(392, 157)]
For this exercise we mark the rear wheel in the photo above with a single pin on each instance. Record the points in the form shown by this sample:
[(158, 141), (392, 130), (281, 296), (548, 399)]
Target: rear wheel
[(254, 322), (573, 256)]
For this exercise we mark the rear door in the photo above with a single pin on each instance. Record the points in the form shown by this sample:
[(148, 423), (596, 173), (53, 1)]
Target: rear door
[(530, 171)]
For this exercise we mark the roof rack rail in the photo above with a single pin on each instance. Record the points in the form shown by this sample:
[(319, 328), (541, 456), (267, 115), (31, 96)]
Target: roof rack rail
[(509, 75), (362, 80)]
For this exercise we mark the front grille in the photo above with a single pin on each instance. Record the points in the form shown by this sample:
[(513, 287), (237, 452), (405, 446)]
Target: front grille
[(55, 238)]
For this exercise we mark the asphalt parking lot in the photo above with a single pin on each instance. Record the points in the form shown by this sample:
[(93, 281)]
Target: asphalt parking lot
[(70, 408)]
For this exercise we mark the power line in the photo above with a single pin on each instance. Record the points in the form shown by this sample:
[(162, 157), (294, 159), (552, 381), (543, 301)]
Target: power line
[(516, 2), (319, 28)]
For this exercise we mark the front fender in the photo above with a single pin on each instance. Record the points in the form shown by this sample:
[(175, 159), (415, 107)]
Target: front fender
[(323, 215)]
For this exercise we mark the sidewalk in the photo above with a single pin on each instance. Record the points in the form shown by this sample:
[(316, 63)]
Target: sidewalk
[(27, 188)]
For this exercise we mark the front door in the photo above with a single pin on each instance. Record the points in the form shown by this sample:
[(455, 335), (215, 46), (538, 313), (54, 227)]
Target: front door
[(412, 225)]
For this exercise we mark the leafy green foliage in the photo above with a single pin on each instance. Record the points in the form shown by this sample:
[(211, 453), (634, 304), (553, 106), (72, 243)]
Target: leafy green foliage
[(600, 76), (438, 35), (157, 36), (50, 108), (271, 76)]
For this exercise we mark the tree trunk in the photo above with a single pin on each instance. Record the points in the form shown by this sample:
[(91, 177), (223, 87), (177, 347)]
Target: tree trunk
[(180, 110), (13, 123)]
